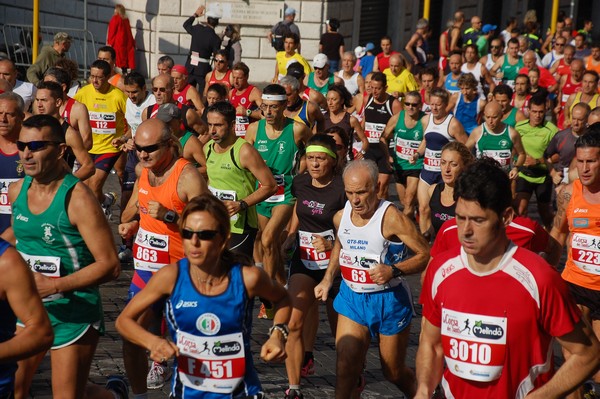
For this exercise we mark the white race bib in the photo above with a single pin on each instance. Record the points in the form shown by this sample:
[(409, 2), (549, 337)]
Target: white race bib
[(212, 364), (312, 259), (150, 251), (405, 149), (103, 122), (373, 131), (474, 345), (49, 266), (585, 252), (433, 160)]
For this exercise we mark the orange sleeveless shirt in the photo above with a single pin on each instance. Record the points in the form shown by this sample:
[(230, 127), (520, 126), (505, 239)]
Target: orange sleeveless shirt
[(583, 256)]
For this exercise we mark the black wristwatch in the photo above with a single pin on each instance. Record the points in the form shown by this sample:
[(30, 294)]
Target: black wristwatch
[(170, 217), (243, 205), (397, 272)]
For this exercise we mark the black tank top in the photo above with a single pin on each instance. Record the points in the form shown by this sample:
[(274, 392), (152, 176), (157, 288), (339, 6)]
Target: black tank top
[(439, 212)]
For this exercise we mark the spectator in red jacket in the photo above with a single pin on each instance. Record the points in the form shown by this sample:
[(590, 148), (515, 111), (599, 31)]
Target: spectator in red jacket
[(120, 38)]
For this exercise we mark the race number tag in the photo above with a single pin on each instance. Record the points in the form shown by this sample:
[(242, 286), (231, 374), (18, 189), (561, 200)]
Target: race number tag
[(405, 149), (355, 271), (474, 345), (103, 122), (241, 125), (4, 203), (279, 196), (585, 252), (312, 259), (225, 195), (502, 156), (49, 266), (433, 160), (150, 251), (373, 131), (212, 364)]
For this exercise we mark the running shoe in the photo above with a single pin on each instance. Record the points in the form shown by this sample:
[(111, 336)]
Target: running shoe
[(125, 254), (110, 199), (158, 375), (118, 385), (308, 368), (265, 312), (293, 394)]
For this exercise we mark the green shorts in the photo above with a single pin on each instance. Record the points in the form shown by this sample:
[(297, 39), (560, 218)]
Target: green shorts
[(266, 208)]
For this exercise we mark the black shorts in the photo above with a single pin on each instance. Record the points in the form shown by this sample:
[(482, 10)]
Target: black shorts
[(402, 176), (106, 161), (297, 267), (375, 153), (586, 297), (543, 191), (243, 243), (129, 176)]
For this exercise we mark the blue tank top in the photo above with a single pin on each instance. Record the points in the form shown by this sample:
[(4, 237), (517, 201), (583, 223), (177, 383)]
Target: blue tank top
[(451, 84), (8, 322), (215, 329), (466, 113), (10, 170)]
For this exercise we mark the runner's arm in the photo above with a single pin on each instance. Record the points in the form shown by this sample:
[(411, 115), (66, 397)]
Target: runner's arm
[(560, 226), (251, 160), (82, 120), (333, 269), (430, 360), (18, 287), (87, 168)]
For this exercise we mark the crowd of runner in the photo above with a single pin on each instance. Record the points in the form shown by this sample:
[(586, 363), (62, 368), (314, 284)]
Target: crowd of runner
[(231, 192)]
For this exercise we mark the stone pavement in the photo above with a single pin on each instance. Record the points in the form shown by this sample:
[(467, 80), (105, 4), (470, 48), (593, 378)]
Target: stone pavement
[(109, 358)]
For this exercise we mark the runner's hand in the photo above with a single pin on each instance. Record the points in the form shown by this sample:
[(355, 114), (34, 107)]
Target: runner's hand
[(156, 210), (273, 350), (233, 207), (321, 244), (45, 285), (380, 273), (322, 290), (161, 350), (128, 230)]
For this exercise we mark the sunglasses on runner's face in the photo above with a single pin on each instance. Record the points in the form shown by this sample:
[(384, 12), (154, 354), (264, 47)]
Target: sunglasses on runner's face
[(411, 104), (149, 148), (35, 145), (220, 61), (161, 89), (202, 234)]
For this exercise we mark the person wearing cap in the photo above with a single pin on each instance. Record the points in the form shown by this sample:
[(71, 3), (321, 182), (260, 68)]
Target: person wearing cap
[(289, 55), (162, 87), (204, 44), (296, 70), (191, 148), (48, 57), (286, 26), (483, 40), (183, 92), (366, 57), (321, 79), (26, 90), (332, 44), (166, 183)]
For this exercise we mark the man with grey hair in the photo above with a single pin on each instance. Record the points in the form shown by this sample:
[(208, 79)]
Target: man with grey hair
[(373, 299), (354, 81), (298, 109), (48, 57), (11, 169)]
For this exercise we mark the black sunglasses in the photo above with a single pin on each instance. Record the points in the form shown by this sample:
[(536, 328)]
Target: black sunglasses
[(161, 89), (202, 234), (34, 146), (411, 104), (220, 61), (149, 148)]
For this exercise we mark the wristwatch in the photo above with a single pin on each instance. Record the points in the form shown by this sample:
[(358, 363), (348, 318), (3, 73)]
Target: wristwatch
[(397, 272), (243, 205), (170, 216)]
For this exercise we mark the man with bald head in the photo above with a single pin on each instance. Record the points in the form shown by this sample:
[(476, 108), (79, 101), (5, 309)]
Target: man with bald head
[(399, 78), (163, 87), (497, 140), (546, 81), (471, 34), (153, 211), (8, 72)]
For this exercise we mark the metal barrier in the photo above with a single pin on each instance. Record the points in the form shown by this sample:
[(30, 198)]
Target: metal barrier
[(18, 40)]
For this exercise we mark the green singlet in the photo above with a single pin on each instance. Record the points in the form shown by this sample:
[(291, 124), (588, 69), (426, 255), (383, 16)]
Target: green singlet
[(406, 141), (51, 245)]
